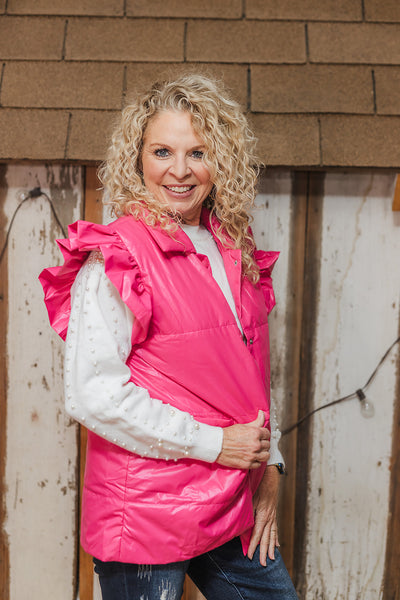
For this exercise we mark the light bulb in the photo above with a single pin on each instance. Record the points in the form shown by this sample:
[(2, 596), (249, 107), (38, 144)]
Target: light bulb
[(366, 406), (22, 195)]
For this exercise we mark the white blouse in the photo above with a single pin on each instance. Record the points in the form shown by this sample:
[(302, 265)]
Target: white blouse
[(98, 392)]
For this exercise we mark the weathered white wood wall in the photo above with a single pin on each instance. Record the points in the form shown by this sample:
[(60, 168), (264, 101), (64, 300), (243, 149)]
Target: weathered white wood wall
[(271, 227), (357, 318), (41, 497)]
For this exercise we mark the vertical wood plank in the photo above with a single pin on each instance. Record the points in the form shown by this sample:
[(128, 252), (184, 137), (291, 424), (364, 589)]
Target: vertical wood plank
[(391, 581), (41, 493), (306, 367), (4, 547), (93, 196), (190, 591), (357, 318), (279, 224), (93, 212), (292, 374), (396, 196)]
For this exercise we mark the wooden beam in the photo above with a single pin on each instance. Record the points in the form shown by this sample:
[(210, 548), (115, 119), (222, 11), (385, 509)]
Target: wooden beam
[(4, 549), (294, 308), (396, 197), (93, 212), (391, 579), (312, 266)]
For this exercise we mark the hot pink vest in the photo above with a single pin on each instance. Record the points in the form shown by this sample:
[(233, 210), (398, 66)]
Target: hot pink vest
[(189, 353)]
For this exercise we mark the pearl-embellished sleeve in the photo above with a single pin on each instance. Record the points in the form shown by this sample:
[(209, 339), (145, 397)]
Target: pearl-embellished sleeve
[(98, 392), (275, 455)]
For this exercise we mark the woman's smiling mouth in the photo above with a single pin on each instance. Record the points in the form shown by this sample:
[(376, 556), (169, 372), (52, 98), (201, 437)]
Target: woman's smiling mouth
[(179, 192), (179, 189)]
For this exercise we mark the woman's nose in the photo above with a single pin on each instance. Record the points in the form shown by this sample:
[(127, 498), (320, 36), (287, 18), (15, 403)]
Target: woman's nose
[(180, 167)]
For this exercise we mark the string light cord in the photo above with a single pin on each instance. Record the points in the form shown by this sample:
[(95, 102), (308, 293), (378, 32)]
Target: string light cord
[(33, 193), (357, 394)]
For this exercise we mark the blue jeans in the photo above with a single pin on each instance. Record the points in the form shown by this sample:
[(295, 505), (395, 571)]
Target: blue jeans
[(221, 574)]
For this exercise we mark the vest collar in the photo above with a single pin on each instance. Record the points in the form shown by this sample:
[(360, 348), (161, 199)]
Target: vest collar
[(178, 242), (170, 243)]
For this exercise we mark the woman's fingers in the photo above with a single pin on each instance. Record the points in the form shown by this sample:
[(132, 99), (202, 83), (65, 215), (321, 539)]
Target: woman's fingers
[(255, 538), (245, 446), (265, 533), (273, 542)]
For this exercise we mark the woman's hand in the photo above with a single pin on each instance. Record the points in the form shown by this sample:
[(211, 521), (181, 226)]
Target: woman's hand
[(265, 530), (245, 446)]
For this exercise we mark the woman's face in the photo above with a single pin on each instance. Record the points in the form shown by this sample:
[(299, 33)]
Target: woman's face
[(173, 169)]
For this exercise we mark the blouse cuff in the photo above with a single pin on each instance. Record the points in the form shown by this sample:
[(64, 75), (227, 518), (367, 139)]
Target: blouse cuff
[(208, 442)]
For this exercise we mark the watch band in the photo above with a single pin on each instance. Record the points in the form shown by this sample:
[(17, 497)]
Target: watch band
[(280, 467)]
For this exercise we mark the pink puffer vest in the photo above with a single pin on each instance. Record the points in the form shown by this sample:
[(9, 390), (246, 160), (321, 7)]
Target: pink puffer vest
[(189, 353)]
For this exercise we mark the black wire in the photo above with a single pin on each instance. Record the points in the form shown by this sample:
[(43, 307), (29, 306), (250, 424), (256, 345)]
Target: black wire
[(9, 228), (33, 193), (53, 210), (384, 357), (355, 394)]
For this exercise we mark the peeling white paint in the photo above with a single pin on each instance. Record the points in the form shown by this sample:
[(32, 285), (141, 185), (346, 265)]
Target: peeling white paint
[(41, 444), (358, 318), (271, 229)]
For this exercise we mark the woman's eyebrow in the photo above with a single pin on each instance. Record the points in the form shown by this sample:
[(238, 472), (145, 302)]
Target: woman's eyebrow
[(197, 147)]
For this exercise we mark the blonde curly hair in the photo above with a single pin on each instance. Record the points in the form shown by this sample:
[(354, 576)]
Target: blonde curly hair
[(229, 156)]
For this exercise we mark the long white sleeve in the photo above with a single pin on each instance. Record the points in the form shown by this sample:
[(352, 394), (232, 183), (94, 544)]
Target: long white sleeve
[(98, 392), (275, 455)]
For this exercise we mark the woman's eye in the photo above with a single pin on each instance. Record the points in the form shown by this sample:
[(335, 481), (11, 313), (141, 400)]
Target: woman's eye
[(161, 152), (197, 154)]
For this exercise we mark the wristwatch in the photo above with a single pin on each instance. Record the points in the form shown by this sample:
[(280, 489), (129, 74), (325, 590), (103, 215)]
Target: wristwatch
[(280, 467)]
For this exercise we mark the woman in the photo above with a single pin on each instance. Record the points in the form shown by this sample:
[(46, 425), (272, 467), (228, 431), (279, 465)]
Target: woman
[(167, 357)]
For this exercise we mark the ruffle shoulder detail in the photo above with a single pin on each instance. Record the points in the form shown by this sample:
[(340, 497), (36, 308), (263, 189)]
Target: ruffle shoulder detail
[(120, 267), (266, 261)]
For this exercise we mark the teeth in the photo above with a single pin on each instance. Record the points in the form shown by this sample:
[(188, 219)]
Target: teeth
[(179, 189)]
